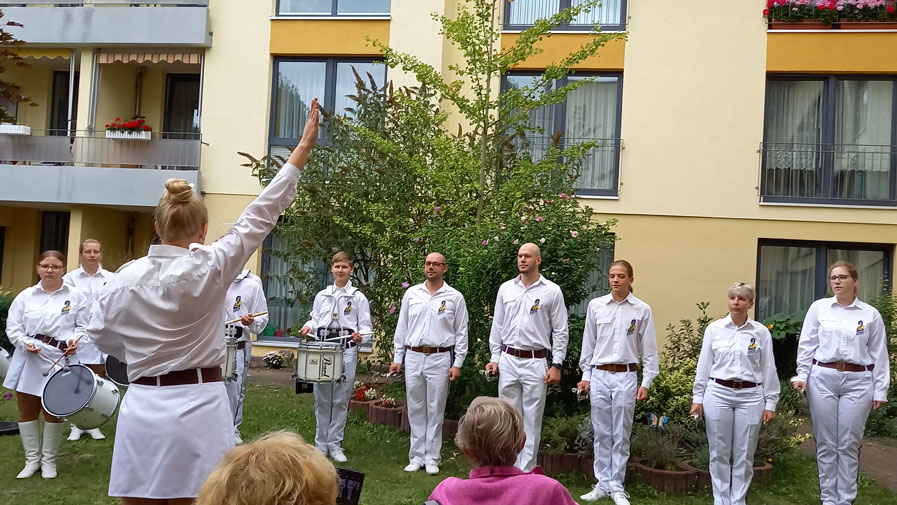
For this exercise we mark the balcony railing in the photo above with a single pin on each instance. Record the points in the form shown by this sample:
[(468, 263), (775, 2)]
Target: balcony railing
[(53, 147), (854, 174), (599, 172), (102, 3)]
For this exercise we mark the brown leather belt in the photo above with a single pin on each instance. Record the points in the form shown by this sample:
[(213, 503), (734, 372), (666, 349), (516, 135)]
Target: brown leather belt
[(182, 377), (241, 345), (62, 346), (519, 353), (735, 384), (425, 349), (843, 366), (617, 367)]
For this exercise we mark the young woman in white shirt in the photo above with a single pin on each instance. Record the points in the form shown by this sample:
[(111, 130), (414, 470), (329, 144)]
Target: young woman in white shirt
[(736, 388), (44, 322), (842, 364)]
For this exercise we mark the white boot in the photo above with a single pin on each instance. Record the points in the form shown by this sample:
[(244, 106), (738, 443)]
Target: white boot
[(96, 434), (30, 433), (50, 448), (76, 433)]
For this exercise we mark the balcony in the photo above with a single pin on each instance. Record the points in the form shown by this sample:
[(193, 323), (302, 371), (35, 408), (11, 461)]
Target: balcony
[(599, 172), (111, 23), (828, 174), (88, 168)]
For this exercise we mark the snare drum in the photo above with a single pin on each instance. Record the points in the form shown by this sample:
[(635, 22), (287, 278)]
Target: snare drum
[(80, 397), (117, 372), (319, 362), (4, 363), (229, 367)]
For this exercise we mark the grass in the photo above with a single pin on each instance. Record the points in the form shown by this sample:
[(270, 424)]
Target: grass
[(379, 451)]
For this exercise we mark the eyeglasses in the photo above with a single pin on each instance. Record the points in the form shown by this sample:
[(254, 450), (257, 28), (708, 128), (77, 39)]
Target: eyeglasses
[(433, 264), (51, 267), (841, 277)]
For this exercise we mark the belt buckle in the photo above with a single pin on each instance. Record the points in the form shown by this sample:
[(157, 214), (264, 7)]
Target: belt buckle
[(737, 384), (841, 366)]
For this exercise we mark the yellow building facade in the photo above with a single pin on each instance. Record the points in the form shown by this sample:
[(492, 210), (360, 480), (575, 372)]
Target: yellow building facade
[(706, 184)]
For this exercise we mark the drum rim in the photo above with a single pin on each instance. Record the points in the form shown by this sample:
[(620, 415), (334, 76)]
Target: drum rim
[(109, 376), (317, 345), (93, 392)]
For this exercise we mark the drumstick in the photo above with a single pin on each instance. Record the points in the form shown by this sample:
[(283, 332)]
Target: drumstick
[(251, 315), (345, 337), (59, 358)]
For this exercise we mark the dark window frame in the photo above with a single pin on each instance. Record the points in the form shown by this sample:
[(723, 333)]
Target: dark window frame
[(170, 81), (829, 105), (559, 117), (563, 4), (333, 12), (820, 283)]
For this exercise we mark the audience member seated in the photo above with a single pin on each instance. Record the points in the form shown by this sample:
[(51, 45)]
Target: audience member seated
[(278, 469), (491, 434)]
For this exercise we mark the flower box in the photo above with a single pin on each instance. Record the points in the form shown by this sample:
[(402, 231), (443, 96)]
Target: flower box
[(138, 135), (390, 416), (15, 129), (867, 24), (675, 482), (807, 24), (360, 405)]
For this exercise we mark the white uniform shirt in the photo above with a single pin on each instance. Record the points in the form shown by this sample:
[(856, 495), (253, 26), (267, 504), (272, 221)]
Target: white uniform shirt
[(618, 333), (855, 334), (88, 284), (163, 313), (731, 352), (437, 320), (348, 304), (529, 318), (245, 296), (62, 315)]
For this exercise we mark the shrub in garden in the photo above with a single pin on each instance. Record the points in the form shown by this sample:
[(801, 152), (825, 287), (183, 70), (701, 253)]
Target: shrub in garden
[(6, 298)]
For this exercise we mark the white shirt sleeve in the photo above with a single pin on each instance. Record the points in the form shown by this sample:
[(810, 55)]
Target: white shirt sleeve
[(259, 304), (401, 334), (559, 331), (364, 317), (878, 349), (809, 341), (648, 339), (771, 386), (108, 340), (589, 335), (461, 319), (82, 318), (705, 362), (15, 323), (498, 321)]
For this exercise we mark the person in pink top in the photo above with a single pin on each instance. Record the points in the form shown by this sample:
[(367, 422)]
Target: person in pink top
[(491, 435)]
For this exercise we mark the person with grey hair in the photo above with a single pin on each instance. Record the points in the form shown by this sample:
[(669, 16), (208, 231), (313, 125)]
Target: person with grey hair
[(491, 435), (736, 388)]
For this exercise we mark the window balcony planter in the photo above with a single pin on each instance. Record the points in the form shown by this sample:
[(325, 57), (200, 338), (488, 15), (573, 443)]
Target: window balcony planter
[(805, 24), (867, 24), (14, 129), (125, 135)]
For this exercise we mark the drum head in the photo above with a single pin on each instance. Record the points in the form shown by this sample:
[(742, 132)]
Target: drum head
[(68, 391), (320, 346), (117, 371)]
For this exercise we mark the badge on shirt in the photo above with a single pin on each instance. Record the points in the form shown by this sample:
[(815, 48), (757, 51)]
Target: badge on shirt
[(348, 308), (441, 310), (752, 347), (535, 307), (66, 308), (631, 327), (860, 327), (238, 303)]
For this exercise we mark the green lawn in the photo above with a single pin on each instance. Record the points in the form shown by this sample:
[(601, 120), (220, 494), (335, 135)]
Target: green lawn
[(378, 451)]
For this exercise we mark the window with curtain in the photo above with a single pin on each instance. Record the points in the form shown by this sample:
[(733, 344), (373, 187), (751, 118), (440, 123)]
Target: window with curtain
[(792, 274), (610, 14), (333, 7), (830, 140), (597, 278), (298, 81), (590, 113)]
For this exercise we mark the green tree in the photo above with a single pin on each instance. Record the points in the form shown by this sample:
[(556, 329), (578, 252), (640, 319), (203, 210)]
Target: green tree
[(8, 91)]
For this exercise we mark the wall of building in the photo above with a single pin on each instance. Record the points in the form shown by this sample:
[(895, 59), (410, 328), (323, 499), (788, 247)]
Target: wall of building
[(35, 81), (21, 242)]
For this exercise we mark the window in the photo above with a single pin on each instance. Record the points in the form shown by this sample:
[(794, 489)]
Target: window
[(591, 113), (521, 14), (830, 140), (54, 231), (297, 81), (333, 7), (597, 278), (792, 274)]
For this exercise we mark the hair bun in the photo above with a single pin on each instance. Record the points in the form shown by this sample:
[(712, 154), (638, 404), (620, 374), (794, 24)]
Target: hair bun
[(178, 190)]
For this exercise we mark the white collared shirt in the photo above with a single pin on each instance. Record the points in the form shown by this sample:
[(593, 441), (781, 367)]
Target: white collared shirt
[(163, 312), (744, 353), (437, 320), (61, 314), (88, 284), (245, 296), (855, 334), (347, 307), (529, 318), (618, 333)]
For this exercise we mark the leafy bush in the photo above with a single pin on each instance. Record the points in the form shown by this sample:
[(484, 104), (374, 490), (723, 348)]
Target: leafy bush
[(883, 422), (657, 448), (780, 436), (561, 434), (6, 298)]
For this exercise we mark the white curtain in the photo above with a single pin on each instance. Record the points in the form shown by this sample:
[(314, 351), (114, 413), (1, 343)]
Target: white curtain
[(870, 265), (787, 279), (608, 13), (794, 131), (591, 114), (863, 139), (526, 12), (297, 83)]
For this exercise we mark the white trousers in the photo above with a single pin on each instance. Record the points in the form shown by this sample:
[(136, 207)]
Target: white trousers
[(332, 406), (521, 382), (839, 402), (612, 398), (236, 389), (426, 389), (733, 419)]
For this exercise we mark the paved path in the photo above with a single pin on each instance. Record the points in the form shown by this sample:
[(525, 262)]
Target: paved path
[(876, 461)]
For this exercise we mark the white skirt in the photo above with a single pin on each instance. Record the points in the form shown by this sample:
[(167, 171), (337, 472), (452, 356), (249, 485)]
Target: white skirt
[(169, 439), (26, 370)]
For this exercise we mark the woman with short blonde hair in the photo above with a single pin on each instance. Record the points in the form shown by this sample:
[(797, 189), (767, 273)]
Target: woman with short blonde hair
[(277, 469), (491, 435)]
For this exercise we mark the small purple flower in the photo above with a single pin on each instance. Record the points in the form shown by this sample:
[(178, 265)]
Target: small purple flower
[(566, 260), (539, 219), (415, 240), (8, 396), (392, 310), (437, 208), (574, 233), (502, 227), (405, 285), (485, 242), (563, 195)]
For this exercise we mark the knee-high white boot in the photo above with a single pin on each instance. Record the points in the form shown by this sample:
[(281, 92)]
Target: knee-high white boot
[(30, 433), (50, 448)]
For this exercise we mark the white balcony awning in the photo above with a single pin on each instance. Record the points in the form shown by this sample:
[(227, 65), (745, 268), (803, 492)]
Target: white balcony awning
[(153, 57)]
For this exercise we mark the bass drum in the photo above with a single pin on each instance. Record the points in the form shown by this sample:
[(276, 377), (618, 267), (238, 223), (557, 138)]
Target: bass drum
[(117, 371), (79, 396), (4, 363)]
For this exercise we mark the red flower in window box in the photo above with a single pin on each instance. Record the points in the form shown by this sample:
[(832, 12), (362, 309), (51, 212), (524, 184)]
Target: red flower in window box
[(135, 124)]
